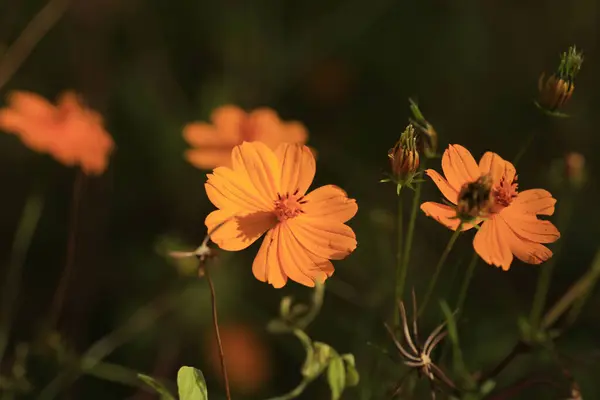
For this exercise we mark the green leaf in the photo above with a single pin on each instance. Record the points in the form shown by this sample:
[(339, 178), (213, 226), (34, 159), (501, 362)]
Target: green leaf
[(352, 376), (317, 359), (157, 386), (336, 377), (191, 384)]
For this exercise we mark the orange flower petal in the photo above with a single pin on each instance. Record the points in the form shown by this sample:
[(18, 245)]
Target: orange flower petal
[(492, 245), (228, 120), (534, 201), (330, 202), (229, 190), (459, 166), (324, 238), (525, 250), (207, 159), (450, 193), (237, 231), (528, 226), (260, 166), (496, 167), (297, 168), (295, 132), (267, 266), (444, 214), (298, 265), (200, 134), (31, 105)]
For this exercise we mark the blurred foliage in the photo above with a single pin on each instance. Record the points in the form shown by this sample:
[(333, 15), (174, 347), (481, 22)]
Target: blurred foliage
[(346, 70)]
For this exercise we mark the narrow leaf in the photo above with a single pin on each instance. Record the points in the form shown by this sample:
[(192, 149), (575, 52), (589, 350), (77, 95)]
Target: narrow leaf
[(336, 377), (157, 386)]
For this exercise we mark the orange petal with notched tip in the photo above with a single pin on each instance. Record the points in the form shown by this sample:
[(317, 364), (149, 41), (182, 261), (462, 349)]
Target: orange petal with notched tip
[(528, 226), (229, 190), (297, 166), (260, 166), (267, 266), (491, 244), (534, 201), (444, 214), (324, 238), (459, 166), (526, 250), (449, 192), (298, 265), (236, 232), (497, 168), (330, 202)]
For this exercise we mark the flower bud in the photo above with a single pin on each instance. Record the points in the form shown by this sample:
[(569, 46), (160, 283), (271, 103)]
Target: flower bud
[(404, 156), (575, 169), (427, 139), (556, 90), (474, 199)]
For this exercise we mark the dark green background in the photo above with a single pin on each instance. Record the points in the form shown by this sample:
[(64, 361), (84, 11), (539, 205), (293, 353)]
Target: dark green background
[(346, 70)]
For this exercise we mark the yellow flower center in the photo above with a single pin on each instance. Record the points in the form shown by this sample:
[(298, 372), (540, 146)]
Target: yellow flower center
[(288, 205)]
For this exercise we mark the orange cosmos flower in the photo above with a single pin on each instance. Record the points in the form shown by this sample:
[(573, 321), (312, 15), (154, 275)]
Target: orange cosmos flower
[(510, 224), (212, 144), (69, 132), (265, 191)]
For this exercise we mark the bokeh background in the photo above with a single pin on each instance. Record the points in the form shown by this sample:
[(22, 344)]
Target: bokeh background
[(346, 70)]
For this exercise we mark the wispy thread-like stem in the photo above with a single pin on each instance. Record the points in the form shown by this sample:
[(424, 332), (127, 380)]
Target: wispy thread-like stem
[(37, 28), (63, 284), (464, 288), (400, 273), (22, 241), (438, 269), (213, 298)]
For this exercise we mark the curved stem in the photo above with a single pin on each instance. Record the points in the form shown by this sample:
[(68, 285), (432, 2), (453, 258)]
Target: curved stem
[(297, 391), (63, 284), (18, 52), (217, 334), (400, 271), (517, 350), (22, 241), (438, 269), (317, 303)]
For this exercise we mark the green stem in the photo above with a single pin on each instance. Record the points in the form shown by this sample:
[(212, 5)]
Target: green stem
[(524, 148), (438, 269), (297, 391), (579, 289), (462, 294), (400, 273), (409, 239), (117, 374), (315, 307), (23, 237)]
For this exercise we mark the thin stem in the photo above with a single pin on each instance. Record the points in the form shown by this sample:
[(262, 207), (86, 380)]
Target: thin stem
[(400, 273), (524, 148), (438, 269), (116, 373), (317, 303), (37, 28), (517, 350), (297, 391), (579, 289), (409, 235), (513, 390), (22, 241), (213, 299), (462, 294), (63, 284)]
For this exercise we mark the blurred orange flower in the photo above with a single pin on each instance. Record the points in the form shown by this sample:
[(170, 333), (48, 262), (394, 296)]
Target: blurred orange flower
[(212, 144), (69, 132), (264, 191), (510, 224), (247, 357)]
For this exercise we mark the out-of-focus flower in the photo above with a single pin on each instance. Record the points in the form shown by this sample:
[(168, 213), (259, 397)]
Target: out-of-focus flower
[(70, 132), (427, 138), (510, 224), (212, 143), (556, 90), (265, 191), (246, 354), (575, 168)]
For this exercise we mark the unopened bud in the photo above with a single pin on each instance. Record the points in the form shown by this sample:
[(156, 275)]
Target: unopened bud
[(404, 156), (557, 89), (474, 199), (427, 139)]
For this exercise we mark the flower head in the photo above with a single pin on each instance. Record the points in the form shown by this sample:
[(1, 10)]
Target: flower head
[(510, 224), (404, 156), (265, 191), (212, 144), (69, 131), (556, 90)]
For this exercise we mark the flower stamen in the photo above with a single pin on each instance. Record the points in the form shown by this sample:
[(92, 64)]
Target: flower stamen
[(287, 206)]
